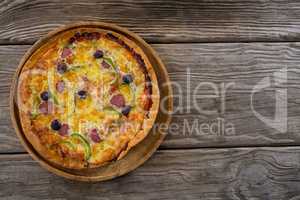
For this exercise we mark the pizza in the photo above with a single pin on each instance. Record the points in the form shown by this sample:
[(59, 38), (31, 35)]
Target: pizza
[(86, 97)]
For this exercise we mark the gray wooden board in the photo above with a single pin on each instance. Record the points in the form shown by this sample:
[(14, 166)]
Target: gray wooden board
[(211, 174), (24, 21), (183, 168), (243, 64)]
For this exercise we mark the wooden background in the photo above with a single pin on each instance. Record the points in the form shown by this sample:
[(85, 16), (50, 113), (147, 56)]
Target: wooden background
[(225, 41)]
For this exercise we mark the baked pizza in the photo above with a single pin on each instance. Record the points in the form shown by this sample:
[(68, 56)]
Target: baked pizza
[(86, 97)]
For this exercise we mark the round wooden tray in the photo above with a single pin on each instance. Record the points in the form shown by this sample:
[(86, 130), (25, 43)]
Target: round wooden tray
[(138, 154)]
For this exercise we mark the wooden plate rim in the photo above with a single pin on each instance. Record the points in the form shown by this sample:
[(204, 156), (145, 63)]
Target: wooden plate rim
[(26, 144)]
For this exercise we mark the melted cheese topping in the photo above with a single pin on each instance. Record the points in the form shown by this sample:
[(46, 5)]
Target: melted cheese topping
[(94, 113)]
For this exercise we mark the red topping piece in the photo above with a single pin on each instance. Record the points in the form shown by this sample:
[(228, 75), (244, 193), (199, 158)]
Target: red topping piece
[(95, 136), (66, 52), (60, 86), (113, 88), (105, 65), (118, 100), (46, 107), (63, 131)]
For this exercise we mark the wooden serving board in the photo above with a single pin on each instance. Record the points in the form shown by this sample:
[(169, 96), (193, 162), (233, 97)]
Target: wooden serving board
[(137, 155)]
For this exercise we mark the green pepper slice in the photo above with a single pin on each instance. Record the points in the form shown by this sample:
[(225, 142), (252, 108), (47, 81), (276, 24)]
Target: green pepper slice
[(85, 144)]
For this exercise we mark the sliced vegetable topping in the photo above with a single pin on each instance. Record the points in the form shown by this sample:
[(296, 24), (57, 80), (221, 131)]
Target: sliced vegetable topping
[(62, 67), (84, 143), (126, 110), (35, 105), (54, 98), (118, 100), (82, 94), (55, 125), (98, 54), (45, 96), (109, 61), (127, 78)]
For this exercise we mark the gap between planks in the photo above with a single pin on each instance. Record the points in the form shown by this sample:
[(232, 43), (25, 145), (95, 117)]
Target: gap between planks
[(250, 147), (180, 42)]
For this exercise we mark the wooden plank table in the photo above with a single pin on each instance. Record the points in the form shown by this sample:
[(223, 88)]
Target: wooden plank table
[(228, 47)]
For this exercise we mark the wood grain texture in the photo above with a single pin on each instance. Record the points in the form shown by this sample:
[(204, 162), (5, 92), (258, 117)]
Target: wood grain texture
[(240, 66), (237, 174), (24, 21), (243, 64)]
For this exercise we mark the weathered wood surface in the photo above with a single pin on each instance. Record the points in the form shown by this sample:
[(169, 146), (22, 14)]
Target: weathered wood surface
[(243, 64), (175, 171), (158, 20), (245, 173)]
